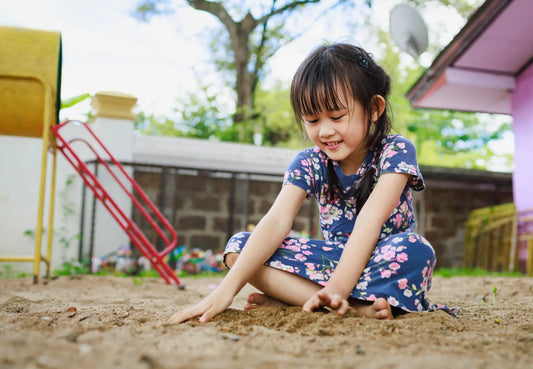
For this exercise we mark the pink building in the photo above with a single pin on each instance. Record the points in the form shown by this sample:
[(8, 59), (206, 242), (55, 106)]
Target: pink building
[(488, 67)]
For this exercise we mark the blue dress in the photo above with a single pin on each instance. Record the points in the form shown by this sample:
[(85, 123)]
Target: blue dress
[(401, 266)]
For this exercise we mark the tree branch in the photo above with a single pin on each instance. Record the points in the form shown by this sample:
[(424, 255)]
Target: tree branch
[(217, 9), (259, 56), (284, 8)]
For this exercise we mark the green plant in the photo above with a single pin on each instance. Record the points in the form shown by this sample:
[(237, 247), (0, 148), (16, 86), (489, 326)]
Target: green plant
[(469, 272), (63, 235), (73, 267), (8, 272)]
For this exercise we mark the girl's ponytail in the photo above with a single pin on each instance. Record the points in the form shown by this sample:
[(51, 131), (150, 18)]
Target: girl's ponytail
[(335, 187), (363, 188)]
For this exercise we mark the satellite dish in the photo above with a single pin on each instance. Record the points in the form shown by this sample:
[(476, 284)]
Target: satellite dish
[(409, 30)]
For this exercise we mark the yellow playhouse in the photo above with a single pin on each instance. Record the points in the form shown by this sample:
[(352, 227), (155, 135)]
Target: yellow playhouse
[(30, 80)]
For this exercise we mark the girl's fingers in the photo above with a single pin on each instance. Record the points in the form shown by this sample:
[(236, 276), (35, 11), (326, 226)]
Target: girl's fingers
[(334, 301), (187, 314), (207, 316), (206, 309), (325, 299), (311, 304), (182, 316), (343, 308)]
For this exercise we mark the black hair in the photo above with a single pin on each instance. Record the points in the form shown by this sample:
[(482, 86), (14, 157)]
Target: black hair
[(325, 81)]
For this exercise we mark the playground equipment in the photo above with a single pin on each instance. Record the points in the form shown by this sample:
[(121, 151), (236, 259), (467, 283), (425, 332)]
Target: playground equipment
[(139, 199), (30, 80)]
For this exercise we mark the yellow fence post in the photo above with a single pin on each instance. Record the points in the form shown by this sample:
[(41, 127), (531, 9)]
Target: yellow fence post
[(492, 240), (529, 268)]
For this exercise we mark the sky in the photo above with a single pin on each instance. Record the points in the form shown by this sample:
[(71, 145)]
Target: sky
[(107, 49)]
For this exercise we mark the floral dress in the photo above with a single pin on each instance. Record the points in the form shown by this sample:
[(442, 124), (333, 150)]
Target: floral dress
[(401, 265)]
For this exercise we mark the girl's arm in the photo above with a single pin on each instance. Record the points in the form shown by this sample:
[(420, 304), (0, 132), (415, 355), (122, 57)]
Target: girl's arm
[(361, 243), (263, 242)]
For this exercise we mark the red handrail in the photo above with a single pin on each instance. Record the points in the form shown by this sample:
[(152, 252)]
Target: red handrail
[(137, 237)]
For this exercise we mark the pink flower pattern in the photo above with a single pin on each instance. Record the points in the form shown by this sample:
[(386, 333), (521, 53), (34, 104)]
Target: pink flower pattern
[(401, 266)]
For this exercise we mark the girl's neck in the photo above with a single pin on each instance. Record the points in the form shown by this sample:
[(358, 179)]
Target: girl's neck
[(352, 163)]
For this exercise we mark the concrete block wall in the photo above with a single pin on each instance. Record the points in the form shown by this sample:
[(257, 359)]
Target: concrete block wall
[(206, 210), (449, 197), (201, 207)]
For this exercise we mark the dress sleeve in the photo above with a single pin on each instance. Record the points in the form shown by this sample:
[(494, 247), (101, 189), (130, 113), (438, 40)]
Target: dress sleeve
[(399, 156), (302, 172)]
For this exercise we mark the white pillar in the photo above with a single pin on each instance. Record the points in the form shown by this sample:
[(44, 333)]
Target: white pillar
[(114, 126)]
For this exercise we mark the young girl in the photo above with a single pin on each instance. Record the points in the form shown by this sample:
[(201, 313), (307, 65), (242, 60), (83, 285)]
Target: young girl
[(362, 179)]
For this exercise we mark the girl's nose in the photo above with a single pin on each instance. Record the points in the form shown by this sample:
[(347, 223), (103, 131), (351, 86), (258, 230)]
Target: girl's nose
[(326, 130)]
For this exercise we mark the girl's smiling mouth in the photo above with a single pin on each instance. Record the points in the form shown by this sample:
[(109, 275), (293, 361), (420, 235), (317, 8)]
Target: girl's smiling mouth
[(332, 144)]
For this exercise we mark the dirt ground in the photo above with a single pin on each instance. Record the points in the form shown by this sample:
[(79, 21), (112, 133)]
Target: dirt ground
[(113, 322)]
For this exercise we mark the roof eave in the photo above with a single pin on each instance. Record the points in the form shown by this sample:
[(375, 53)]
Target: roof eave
[(475, 26)]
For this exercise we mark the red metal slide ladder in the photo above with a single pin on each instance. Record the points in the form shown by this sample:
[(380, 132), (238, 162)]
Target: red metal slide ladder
[(165, 231)]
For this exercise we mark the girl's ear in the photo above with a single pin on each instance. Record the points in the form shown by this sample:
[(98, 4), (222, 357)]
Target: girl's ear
[(378, 107)]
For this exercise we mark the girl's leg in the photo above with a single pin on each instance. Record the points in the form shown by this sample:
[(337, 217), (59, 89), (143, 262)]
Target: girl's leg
[(280, 287)]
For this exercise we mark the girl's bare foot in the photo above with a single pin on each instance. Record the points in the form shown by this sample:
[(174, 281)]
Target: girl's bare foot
[(257, 300), (379, 309)]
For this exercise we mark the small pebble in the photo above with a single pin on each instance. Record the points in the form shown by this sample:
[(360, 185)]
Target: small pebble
[(231, 337), (85, 349)]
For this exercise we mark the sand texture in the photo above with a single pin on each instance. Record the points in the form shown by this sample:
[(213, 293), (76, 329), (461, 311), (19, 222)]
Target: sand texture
[(113, 322)]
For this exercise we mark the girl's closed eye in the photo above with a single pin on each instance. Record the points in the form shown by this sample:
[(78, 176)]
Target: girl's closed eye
[(338, 117), (310, 120)]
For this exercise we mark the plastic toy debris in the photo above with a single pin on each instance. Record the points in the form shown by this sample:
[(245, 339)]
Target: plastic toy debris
[(181, 260)]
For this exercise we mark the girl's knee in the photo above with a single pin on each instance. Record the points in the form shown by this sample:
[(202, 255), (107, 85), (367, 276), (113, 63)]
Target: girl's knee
[(230, 259)]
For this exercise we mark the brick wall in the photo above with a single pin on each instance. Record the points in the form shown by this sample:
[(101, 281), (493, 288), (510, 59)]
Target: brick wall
[(444, 205), (207, 207)]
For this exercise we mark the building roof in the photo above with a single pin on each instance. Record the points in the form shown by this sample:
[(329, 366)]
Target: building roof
[(261, 160), (211, 155), (477, 71)]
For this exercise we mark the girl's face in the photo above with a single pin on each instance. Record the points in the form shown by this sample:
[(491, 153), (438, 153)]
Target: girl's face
[(341, 134)]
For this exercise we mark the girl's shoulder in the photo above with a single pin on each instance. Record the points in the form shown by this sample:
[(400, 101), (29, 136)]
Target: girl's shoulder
[(397, 143), (313, 154), (396, 139)]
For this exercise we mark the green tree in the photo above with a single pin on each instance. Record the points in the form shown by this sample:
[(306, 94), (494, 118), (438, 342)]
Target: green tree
[(276, 119), (250, 37), (201, 114), (442, 137), (150, 124)]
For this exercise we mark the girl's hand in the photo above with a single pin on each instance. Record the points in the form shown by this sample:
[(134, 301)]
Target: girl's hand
[(325, 298), (208, 308)]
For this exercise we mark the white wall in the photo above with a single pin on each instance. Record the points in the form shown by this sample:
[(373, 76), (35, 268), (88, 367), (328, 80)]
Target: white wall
[(117, 136), (20, 160), (20, 172), (20, 167)]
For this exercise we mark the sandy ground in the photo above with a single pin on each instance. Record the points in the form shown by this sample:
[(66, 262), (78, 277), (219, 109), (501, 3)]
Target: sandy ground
[(112, 322)]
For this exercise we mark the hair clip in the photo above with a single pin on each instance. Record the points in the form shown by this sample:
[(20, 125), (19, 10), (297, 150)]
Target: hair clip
[(363, 62)]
